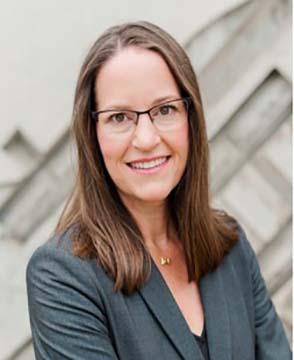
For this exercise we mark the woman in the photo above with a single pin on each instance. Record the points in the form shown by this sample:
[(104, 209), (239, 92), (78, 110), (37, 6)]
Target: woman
[(141, 267)]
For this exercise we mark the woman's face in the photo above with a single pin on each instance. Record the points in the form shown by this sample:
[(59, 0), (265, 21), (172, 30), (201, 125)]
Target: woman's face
[(138, 79)]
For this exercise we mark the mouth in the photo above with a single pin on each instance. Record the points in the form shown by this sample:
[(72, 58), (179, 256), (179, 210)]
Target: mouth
[(149, 165)]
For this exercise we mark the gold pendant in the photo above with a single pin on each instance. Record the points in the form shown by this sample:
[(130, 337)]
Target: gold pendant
[(165, 260)]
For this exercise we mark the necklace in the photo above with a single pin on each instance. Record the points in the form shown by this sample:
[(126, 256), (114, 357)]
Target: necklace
[(165, 260)]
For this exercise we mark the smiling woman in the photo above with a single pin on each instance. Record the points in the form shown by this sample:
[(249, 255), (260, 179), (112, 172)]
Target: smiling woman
[(144, 136), (141, 266)]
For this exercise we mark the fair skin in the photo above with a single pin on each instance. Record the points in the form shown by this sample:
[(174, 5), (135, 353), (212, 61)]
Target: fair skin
[(139, 89), (149, 83)]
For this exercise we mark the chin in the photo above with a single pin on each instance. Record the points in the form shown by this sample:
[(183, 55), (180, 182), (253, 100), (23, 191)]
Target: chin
[(153, 196)]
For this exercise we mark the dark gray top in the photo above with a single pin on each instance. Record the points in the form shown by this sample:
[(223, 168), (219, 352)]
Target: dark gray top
[(76, 315), (202, 343)]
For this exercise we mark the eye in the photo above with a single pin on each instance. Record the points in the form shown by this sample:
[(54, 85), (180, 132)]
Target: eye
[(118, 117), (166, 109)]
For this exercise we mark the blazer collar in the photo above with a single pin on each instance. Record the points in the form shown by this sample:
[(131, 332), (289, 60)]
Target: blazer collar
[(162, 304)]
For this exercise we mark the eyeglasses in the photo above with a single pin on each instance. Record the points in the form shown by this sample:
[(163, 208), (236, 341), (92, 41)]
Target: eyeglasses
[(166, 116)]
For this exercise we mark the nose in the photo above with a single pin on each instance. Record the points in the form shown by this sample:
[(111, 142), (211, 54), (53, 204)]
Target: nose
[(145, 136)]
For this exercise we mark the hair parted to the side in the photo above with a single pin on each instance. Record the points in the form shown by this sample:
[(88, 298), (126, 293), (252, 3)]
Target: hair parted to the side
[(102, 227)]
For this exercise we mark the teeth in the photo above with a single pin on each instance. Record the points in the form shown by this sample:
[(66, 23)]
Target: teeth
[(148, 164)]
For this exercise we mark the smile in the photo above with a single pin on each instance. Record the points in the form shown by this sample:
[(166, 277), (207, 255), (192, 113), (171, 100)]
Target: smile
[(149, 166)]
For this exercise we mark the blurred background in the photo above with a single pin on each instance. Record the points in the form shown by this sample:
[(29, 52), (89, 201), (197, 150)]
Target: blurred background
[(241, 51)]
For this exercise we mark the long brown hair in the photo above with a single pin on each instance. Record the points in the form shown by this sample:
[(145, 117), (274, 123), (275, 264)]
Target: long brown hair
[(102, 227)]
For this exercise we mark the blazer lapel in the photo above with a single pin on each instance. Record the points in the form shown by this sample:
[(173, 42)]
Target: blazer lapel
[(162, 304), (216, 315)]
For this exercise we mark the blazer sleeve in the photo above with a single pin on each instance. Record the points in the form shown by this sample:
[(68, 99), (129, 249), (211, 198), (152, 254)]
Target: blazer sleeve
[(270, 339), (66, 310)]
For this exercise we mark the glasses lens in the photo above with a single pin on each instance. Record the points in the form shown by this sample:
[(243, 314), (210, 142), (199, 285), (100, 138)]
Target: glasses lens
[(117, 121), (169, 115)]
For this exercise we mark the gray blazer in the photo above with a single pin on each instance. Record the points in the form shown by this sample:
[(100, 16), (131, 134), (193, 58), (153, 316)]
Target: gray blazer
[(76, 315)]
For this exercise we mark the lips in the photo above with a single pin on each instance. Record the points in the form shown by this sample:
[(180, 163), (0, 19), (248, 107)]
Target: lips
[(148, 164)]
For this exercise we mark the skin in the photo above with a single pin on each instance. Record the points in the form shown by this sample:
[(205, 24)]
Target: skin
[(137, 79)]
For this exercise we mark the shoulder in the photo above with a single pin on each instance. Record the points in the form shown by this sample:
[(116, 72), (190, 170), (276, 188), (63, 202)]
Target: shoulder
[(243, 248), (68, 304), (53, 265), (56, 251), (241, 259), (241, 266)]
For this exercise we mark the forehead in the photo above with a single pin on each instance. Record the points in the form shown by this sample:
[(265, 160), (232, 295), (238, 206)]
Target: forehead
[(136, 77)]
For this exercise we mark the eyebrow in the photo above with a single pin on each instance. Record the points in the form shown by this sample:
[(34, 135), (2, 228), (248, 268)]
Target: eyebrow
[(122, 106)]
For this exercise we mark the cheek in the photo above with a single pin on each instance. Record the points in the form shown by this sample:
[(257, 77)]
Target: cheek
[(106, 149), (181, 142), (112, 152)]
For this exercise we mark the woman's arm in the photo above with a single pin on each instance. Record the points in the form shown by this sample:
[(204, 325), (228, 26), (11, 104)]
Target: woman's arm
[(66, 312), (271, 341)]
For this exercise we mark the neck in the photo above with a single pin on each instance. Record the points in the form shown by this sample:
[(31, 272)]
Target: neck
[(152, 219)]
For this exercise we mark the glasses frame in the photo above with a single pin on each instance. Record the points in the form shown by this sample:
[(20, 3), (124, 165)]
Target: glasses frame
[(95, 114)]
